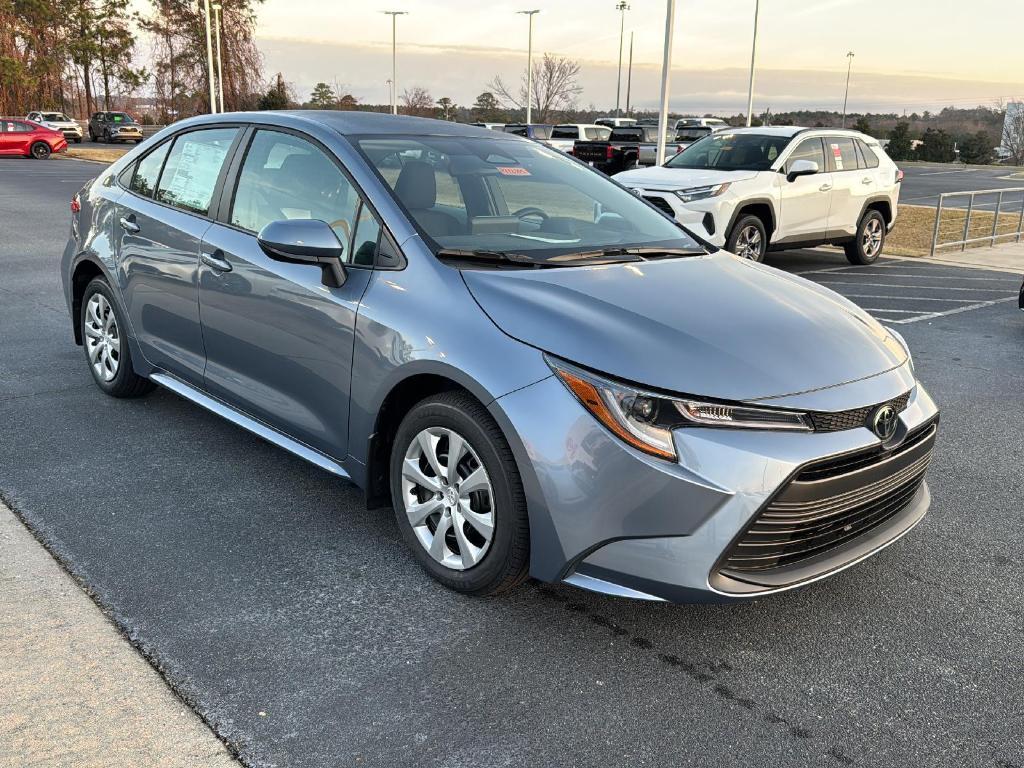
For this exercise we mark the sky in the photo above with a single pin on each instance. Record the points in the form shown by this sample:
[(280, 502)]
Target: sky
[(911, 55)]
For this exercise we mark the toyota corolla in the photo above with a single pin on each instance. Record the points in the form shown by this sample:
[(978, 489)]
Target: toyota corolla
[(541, 373)]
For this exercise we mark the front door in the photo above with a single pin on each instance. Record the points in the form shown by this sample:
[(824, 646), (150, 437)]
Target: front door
[(806, 199), (15, 137), (278, 341), (160, 223)]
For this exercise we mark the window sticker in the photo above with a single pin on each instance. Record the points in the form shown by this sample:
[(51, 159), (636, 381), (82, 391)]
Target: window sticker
[(506, 170), (837, 156)]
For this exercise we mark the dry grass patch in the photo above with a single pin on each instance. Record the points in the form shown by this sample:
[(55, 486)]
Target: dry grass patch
[(97, 154), (915, 224)]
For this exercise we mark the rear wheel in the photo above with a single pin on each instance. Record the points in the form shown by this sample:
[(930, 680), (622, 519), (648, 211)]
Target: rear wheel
[(458, 497), (106, 347), (40, 150), (867, 246), (748, 239)]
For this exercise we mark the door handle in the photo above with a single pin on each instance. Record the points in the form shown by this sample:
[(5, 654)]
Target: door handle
[(216, 261), (865, 181), (128, 224), (824, 187)]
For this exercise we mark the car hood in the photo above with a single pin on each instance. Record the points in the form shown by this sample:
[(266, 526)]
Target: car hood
[(714, 326), (660, 177)]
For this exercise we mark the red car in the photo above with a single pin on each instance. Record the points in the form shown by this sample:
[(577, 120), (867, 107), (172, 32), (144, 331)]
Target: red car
[(28, 139)]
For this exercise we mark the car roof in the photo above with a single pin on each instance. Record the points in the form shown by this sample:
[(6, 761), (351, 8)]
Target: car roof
[(376, 122)]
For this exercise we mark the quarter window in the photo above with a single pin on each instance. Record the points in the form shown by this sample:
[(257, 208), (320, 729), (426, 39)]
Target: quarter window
[(844, 155), (285, 177), (148, 171), (192, 168), (364, 242), (870, 158), (808, 149)]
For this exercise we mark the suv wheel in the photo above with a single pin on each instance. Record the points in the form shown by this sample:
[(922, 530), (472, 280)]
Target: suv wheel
[(106, 348), (748, 239), (458, 497), (106, 136), (40, 150), (867, 246)]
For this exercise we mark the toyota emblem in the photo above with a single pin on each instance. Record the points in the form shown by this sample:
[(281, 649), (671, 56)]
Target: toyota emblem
[(884, 422)]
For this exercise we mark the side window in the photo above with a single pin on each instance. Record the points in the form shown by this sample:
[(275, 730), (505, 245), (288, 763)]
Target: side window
[(21, 128), (808, 149), (147, 171), (285, 177), (192, 167), (364, 242), (844, 155), (870, 158)]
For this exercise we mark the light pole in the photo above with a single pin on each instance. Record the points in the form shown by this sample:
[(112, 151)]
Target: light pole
[(666, 66), (753, 58), (849, 66), (391, 90), (529, 64), (622, 7), (629, 73), (209, 58), (220, 54), (394, 58)]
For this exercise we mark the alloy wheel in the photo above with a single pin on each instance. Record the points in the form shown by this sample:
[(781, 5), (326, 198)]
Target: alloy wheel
[(40, 151), (102, 338), (448, 498), (748, 244), (871, 241)]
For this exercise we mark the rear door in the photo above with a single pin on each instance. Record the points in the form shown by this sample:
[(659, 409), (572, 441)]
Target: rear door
[(278, 341), (806, 200), (159, 226), (853, 184)]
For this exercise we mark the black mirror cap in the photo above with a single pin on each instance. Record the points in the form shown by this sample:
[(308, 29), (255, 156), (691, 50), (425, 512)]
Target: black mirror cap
[(305, 241)]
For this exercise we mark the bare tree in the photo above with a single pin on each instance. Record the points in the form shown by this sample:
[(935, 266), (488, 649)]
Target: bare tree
[(418, 101), (1013, 131), (555, 87)]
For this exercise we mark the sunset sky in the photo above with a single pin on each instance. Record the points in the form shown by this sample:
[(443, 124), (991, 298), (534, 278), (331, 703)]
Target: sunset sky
[(910, 54)]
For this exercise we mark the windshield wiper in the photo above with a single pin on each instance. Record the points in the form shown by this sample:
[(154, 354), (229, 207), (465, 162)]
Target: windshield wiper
[(638, 253), (492, 257)]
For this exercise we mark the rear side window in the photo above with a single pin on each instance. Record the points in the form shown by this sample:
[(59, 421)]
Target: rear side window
[(844, 155), (565, 132), (148, 171), (870, 158), (542, 131), (286, 177), (192, 168), (808, 149)]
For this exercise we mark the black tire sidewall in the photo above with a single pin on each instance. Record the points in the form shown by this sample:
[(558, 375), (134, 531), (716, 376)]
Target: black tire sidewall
[(734, 234), (45, 154), (126, 377), (463, 414), (855, 251)]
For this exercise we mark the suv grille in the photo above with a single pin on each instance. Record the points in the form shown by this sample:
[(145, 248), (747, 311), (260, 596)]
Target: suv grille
[(858, 417), (829, 503), (661, 204)]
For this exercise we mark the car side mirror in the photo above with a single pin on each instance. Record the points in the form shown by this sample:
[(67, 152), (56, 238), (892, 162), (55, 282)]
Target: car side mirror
[(305, 241), (801, 168)]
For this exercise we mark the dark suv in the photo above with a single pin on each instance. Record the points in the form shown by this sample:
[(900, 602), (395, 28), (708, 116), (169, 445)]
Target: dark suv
[(114, 126)]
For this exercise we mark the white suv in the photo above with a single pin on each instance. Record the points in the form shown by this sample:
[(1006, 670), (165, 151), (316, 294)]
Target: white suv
[(749, 190)]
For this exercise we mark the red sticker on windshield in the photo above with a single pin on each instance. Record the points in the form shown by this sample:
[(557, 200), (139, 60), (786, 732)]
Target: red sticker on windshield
[(512, 170)]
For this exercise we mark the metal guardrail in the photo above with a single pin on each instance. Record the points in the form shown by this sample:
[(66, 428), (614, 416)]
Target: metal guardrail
[(972, 196)]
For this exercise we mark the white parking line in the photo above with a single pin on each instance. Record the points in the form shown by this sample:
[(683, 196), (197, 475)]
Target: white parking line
[(906, 298), (955, 311), (923, 287), (897, 311), (930, 277)]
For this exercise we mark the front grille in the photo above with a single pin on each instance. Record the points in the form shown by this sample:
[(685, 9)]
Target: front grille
[(857, 417), (661, 204), (829, 503)]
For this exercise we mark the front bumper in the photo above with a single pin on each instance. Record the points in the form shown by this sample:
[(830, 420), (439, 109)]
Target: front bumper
[(705, 218), (611, 519)]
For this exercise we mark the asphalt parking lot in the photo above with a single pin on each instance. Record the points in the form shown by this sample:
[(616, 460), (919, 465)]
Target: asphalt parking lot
[(922, 185), (298, 626)]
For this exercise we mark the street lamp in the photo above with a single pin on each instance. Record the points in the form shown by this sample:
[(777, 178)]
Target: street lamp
[(753, 57), (529, 64), (220, 54), (629, 73), (394, 58), (666, 66), (849, 66), (622, 7), (209, 58)]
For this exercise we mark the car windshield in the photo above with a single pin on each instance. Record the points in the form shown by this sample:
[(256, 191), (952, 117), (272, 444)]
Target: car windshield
[(732, 152), (118, 117), (500, 197), (55, 117), (692, 134)]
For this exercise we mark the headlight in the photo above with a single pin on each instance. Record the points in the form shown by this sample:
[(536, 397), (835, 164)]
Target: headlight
[(645, 420), (700, 193)]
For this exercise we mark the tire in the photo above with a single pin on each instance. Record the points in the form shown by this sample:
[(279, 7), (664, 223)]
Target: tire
[(139, 141), (40, 150), (748, 235), (484, 567), (92, 134), (106, 137), (78, 139), (867, 246), (124, 382)]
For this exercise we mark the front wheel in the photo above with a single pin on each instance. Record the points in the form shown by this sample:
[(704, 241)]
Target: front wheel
[(458, 497), (41, 150), (78, 139), (106, 347), (748, 239), (867, 246)]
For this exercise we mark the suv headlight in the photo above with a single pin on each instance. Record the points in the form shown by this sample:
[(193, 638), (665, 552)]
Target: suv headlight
[(701, 193), (645, 420)]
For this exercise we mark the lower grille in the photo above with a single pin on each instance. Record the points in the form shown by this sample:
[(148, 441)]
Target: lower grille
[(830, 503), (661, 204)]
